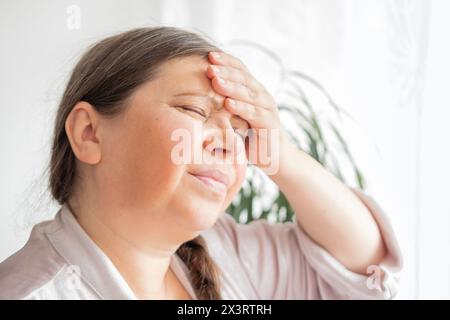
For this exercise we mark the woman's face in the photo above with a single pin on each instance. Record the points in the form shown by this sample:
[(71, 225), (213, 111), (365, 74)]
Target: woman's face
[(138, 172)]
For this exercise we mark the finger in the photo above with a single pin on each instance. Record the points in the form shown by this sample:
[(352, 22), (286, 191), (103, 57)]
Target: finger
[(228, 73), (246, 111), (222, 58), (234, 90), (234, 75), (240, 92)]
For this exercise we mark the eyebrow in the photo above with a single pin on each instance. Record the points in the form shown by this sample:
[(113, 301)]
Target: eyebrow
[(197, 94), (192, 94)]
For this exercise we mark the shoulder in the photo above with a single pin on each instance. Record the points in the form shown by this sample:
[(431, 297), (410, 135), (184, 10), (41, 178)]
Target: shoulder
[(252, 257), (32, 267), (222, 232), (245, 240)]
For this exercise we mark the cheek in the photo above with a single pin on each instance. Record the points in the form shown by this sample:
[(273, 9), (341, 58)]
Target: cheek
[(138, 159), (241, 170)]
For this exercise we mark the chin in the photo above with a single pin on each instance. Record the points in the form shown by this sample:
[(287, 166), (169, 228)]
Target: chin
[(199, 206), (200, 217)]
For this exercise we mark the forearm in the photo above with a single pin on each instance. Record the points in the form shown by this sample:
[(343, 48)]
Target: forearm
[(329, 212)]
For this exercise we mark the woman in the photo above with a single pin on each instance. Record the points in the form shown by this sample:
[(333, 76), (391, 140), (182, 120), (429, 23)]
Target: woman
[(136, 223)]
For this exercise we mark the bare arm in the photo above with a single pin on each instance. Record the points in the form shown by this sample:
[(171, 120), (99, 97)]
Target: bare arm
[(329, 212)]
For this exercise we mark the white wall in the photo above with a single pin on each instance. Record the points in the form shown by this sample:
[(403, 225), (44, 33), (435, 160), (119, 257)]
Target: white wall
[(434, 228), (384, 61), (37, 52)]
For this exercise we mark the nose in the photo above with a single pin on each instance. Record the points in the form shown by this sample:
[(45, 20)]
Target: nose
[(219, 139)]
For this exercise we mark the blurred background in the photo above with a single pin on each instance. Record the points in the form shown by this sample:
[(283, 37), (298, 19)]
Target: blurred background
[(382, 63)]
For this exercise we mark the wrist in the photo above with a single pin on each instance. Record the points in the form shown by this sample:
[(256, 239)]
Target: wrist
[(288, 157)]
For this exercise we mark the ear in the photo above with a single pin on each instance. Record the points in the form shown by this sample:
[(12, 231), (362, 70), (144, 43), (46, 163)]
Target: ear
[(82, 129)]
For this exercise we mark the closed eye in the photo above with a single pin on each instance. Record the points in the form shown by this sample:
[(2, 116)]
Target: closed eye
[(197, 110), (239, 131)]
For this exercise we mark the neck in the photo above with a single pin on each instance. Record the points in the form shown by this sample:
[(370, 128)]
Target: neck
[(145, 267)]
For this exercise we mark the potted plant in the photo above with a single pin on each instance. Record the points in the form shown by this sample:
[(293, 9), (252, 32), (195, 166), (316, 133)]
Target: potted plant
[(316, 135)]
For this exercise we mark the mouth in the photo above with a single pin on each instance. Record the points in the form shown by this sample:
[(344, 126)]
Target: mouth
[(213, 179)]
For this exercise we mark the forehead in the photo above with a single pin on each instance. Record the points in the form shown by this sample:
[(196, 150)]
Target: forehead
[(183, 77), (186, 75)]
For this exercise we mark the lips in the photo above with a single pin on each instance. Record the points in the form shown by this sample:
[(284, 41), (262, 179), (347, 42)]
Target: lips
[(214, 179)]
